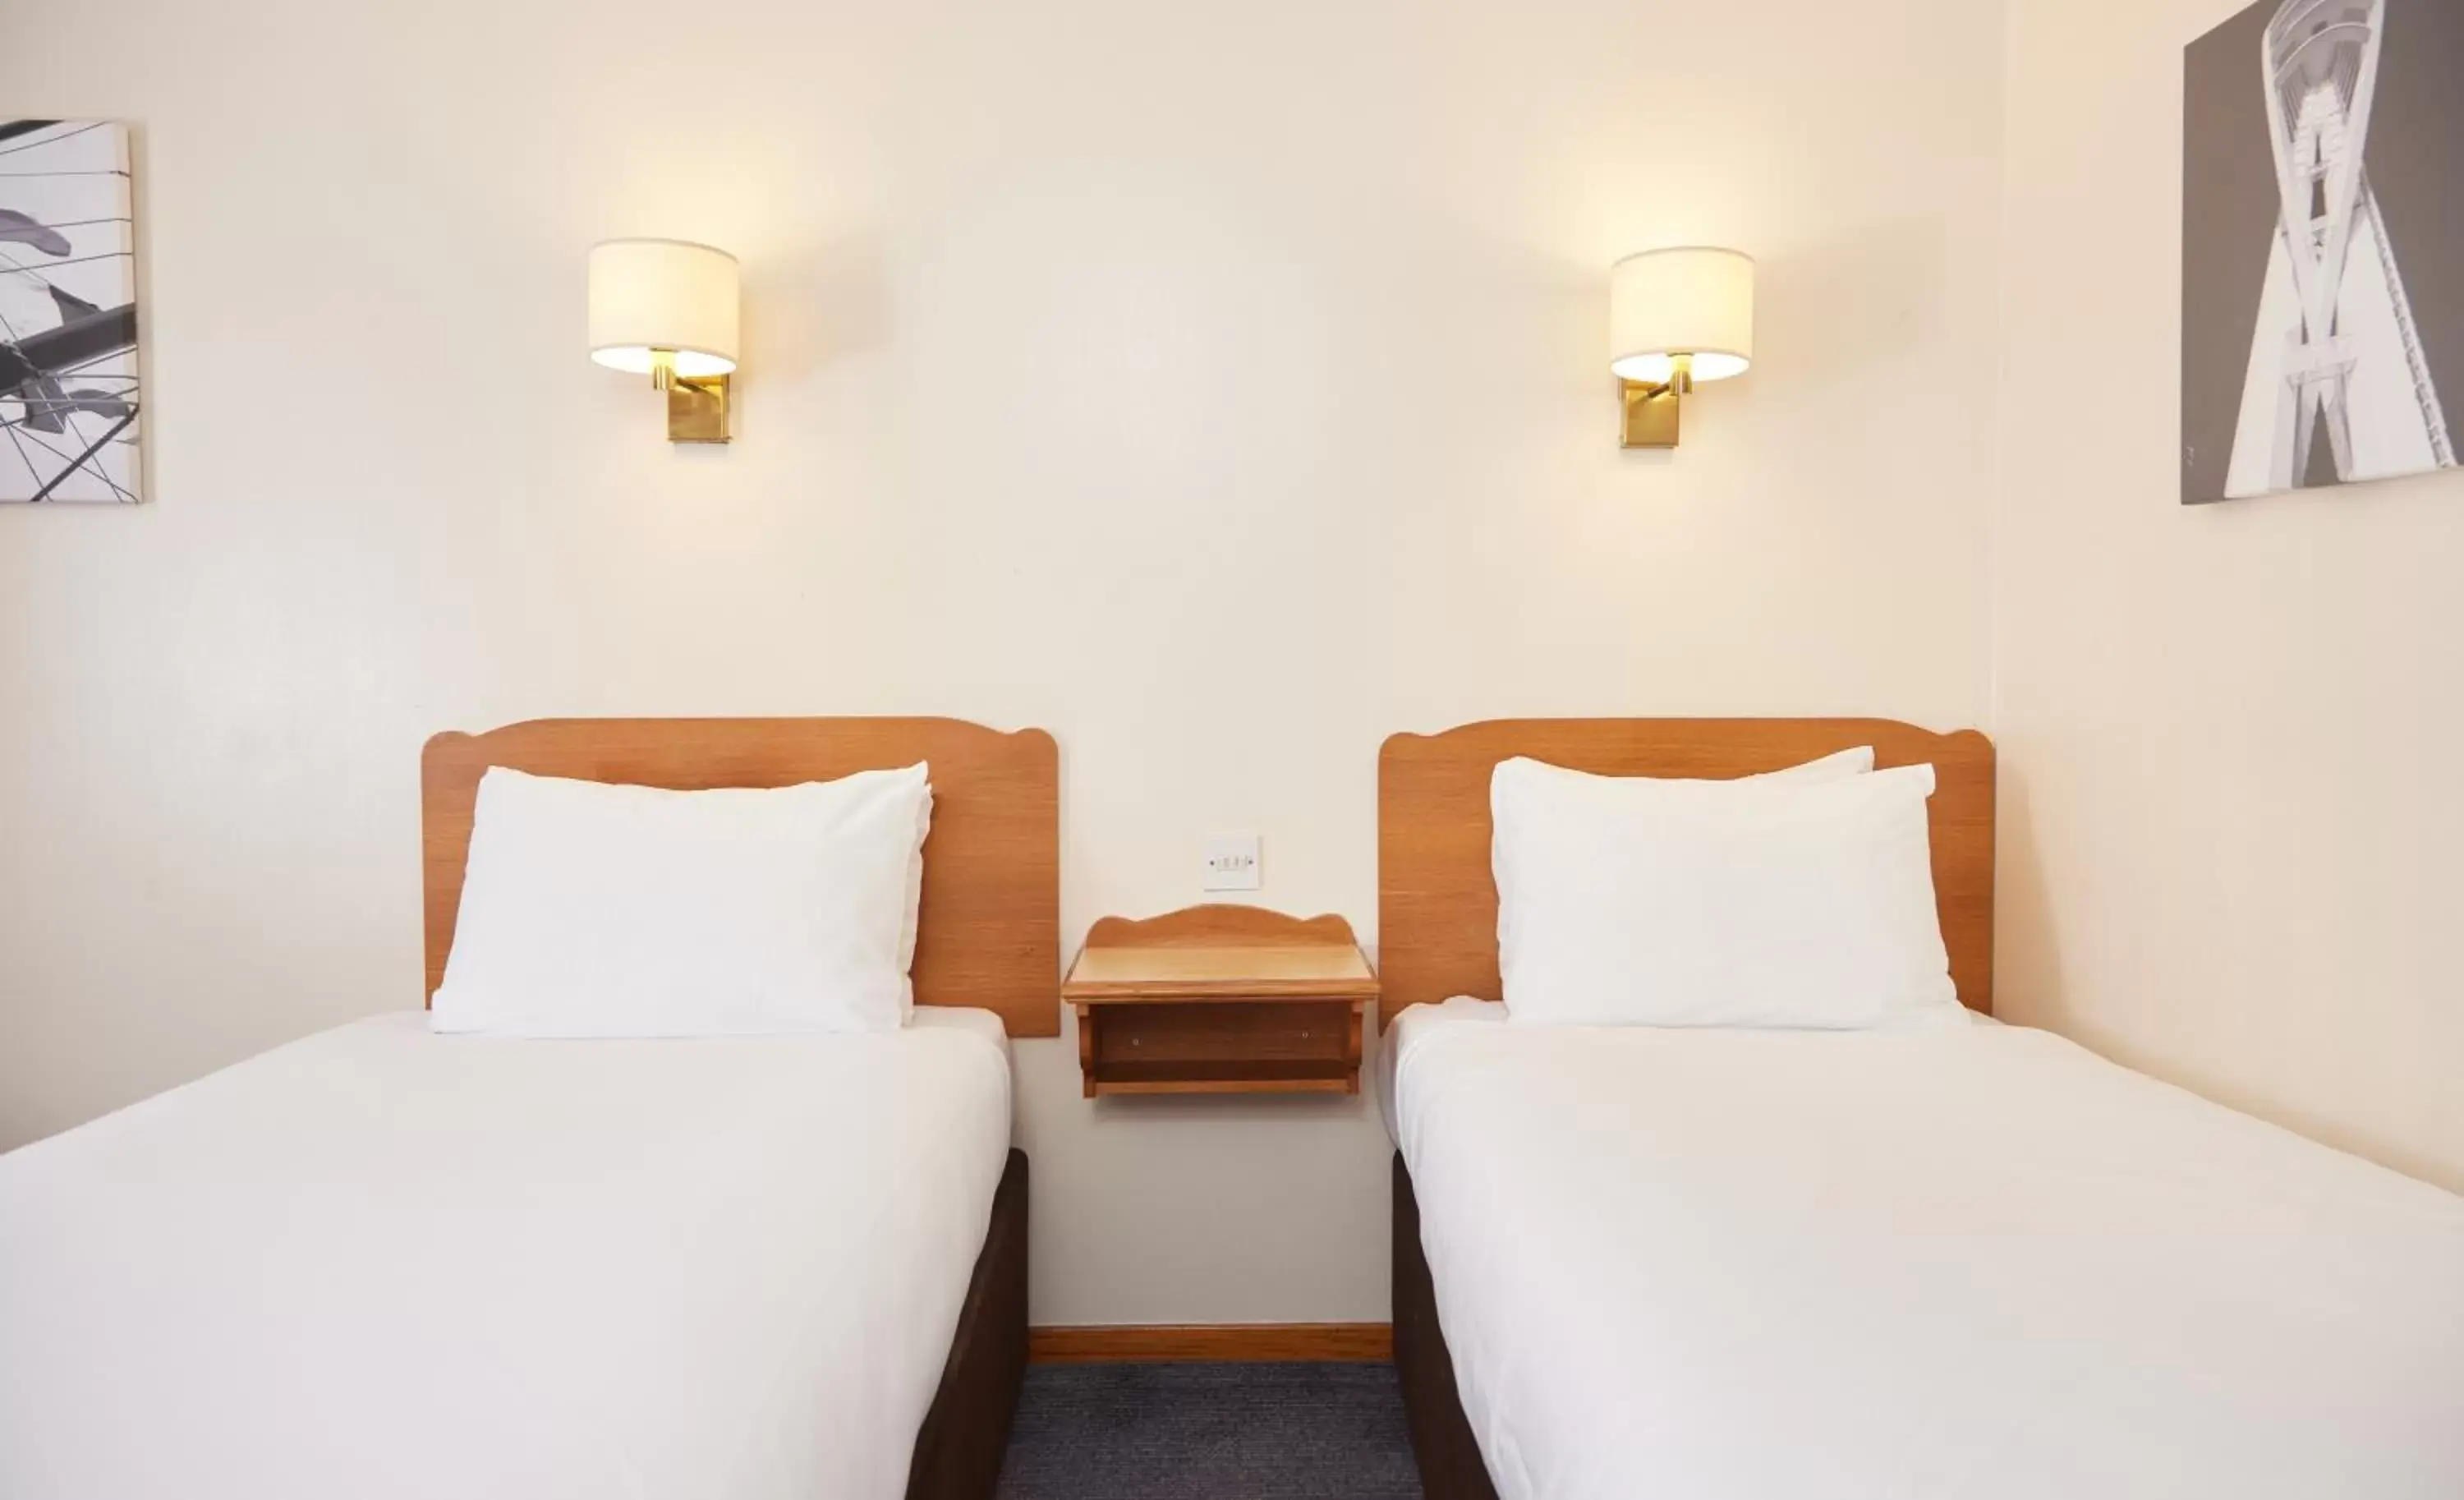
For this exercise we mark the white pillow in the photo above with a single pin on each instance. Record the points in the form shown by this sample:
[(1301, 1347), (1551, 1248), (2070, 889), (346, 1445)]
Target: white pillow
[(1834, 767), (1788, 901), (591, 910), (1829, 768)]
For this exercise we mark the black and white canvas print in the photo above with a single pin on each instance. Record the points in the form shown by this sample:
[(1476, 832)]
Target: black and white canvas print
[(2323, 246), (69, 399)]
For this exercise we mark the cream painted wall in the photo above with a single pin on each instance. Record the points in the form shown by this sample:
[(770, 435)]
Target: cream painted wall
[(1221, 387), (2229, 832)]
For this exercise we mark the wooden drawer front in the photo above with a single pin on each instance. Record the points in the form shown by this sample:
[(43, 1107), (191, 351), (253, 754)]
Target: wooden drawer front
[(1227, 1046), (1265, 1031)]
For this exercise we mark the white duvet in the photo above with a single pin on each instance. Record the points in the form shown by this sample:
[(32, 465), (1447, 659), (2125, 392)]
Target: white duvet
[(1970, 1262), (385, 1263)]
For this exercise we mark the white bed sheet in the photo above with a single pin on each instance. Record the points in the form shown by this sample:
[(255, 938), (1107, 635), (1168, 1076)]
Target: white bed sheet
[(1926, 1265), (384, 1263)]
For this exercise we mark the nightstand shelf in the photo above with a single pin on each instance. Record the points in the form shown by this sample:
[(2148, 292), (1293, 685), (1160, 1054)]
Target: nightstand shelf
[(1220, 1000)]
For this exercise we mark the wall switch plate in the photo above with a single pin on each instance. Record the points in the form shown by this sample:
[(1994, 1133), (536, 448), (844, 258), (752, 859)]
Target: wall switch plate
[(1232, 864)]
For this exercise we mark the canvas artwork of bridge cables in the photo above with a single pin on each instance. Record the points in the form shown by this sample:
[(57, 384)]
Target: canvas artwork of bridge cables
[(69, 391)]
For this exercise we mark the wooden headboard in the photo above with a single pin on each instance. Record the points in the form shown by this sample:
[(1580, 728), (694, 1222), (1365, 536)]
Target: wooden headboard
[(1437, 903), (991, 928)]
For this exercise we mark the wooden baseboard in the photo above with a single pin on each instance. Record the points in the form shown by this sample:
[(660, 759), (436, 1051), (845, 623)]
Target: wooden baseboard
[(1309, 1343)]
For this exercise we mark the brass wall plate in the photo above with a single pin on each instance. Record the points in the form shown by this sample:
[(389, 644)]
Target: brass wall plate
[(1650, 415), (697, 409)]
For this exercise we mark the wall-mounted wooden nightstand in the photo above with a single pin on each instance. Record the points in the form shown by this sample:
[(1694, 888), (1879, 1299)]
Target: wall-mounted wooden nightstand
[(1220, 1000)]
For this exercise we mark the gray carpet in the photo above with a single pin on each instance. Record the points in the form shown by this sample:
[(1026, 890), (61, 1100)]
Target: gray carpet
[(1210, 1432)]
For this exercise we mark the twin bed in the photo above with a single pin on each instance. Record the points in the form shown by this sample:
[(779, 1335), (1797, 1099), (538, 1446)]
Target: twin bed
[(1936, 1261), (1950, 1260), (385, 1262)]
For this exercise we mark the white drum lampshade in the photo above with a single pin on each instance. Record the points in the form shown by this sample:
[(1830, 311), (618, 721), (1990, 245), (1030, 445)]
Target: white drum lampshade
[(1695, 301), (650, 296)]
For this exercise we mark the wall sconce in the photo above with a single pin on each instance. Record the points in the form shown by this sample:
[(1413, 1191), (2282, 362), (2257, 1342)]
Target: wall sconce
[(1677, 316), (667, 308)]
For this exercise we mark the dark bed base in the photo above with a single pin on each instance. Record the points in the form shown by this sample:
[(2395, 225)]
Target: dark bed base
[(1442, 1440), (958, 1449)]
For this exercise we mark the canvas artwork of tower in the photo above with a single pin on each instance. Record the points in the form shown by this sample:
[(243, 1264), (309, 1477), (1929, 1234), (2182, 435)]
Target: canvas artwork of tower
[(2314, 350)]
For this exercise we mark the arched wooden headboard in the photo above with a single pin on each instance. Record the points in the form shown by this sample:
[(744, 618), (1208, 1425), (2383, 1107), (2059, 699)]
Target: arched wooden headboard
[(990, 934), (1437, 903)]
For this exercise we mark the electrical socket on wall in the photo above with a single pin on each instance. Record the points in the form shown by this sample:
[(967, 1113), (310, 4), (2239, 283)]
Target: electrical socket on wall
[(1231, 863)]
